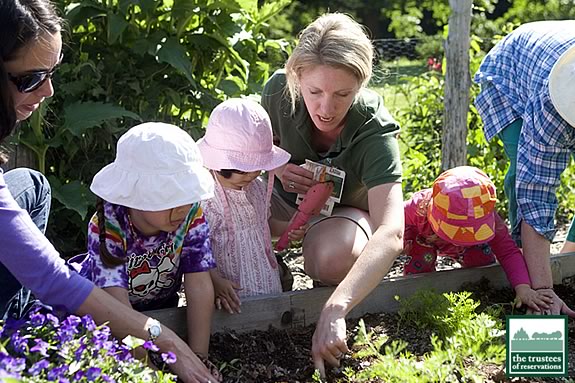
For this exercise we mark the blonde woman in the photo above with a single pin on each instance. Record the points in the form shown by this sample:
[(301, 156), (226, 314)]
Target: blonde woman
[(321, 111)]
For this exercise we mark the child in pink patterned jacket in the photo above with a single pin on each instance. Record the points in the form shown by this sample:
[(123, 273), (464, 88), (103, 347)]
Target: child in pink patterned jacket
[(237, 147), (456, 218)]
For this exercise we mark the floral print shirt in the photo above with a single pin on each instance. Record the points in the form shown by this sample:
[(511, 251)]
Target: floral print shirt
[(241, 238)]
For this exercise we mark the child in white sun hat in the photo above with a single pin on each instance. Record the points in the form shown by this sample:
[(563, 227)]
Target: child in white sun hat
[(237, 147), (149, 229)]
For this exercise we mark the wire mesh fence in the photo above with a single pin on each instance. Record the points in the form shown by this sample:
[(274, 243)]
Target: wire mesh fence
[(397, 59)]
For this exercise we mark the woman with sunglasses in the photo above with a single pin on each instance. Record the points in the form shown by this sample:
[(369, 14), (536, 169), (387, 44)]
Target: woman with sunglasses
[(30, 50)]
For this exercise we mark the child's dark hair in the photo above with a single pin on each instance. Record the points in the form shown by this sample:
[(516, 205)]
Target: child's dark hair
[(21, 22), (227, 173), (107, 259)]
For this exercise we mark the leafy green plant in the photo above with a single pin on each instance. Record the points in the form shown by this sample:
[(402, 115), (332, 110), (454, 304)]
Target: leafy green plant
[(142, 60), (462, 340), (421, 121), (316, 377), (370, 345)]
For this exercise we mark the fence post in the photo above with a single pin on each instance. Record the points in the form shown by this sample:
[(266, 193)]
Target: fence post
[(457, 82), (19, 156)]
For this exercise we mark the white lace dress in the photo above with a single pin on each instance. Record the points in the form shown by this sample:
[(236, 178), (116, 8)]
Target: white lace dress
[(239, 241)]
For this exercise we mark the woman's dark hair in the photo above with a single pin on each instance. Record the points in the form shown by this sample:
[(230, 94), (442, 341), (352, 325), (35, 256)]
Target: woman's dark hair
[(107, 259), (21, 22)]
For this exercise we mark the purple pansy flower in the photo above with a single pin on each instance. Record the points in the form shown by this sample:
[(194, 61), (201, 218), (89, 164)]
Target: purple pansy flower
[(38, 367), (169, 357), (93, 373), (149, 345), (41, 347)]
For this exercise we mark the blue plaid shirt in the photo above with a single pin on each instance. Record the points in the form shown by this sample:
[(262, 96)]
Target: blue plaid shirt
[(514, 84)]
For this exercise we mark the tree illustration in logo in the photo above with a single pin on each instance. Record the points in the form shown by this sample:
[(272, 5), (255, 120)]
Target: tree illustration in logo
[(521, 335), (538, 341)]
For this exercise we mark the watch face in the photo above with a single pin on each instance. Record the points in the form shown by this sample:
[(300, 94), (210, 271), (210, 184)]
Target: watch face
[(155, 330)]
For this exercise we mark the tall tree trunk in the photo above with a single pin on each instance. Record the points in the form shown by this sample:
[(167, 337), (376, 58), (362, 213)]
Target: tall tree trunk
[(457, 82)]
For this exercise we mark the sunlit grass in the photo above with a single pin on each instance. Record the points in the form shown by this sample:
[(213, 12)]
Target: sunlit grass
[(388, 78)]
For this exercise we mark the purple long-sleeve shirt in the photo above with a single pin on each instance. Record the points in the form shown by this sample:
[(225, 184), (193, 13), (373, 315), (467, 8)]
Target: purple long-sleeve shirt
[(32, 259)]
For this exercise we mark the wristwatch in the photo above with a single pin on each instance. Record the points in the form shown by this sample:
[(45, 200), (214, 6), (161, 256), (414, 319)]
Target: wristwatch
[(154, 329)]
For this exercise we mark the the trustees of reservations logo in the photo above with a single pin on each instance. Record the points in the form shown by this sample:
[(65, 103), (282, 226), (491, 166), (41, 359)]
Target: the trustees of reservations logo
[(537, 345)]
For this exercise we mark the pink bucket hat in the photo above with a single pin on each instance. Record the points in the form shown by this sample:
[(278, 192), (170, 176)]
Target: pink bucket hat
[(239, 136), (461, 210)]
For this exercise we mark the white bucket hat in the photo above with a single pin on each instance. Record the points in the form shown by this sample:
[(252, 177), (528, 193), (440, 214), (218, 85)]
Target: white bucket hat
[(157, 167), (562, 85), (239, 136)]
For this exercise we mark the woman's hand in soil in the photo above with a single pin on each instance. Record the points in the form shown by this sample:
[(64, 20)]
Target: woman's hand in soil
[(188, 366), (329, 340), (557, 307), (211, 367), (296, 179), (226, 296), (537, 301)]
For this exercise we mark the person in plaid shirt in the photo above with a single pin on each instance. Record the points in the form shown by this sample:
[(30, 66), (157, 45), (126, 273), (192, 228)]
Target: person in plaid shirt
[(527, 99)]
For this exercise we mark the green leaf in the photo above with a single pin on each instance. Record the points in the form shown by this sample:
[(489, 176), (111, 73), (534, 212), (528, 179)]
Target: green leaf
[(475, 46), (232, 86), (78, 13), (175, 54), (116, 26), (149, 6), (73, 195), (124, 5), (133, 342), (81, 116), (186, 15), (250, 6), (272, 8)]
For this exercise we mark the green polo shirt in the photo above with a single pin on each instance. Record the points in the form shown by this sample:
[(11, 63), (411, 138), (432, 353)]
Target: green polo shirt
[(367, 149)]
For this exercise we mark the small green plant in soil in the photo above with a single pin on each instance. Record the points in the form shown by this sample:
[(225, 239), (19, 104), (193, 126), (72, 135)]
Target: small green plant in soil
[(461, 339)]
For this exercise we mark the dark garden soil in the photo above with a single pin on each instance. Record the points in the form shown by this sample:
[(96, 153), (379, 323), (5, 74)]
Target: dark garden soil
[(284, 355)]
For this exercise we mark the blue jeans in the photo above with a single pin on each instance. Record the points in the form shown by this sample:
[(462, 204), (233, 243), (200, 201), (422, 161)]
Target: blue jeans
[(31, 191), (510, 138)]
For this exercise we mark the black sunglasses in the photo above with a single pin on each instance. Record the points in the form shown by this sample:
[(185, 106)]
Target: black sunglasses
[(29, 82)]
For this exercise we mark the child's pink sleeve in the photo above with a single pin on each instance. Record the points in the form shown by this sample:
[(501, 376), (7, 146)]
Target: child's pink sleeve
[(410, 211), (508, 254)]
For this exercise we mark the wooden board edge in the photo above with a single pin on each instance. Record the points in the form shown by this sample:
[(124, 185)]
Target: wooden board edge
[(302, 308)]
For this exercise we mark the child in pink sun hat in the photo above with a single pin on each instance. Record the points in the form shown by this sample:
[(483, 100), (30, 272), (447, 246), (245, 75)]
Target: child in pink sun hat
[(456, 218), (237, 147)]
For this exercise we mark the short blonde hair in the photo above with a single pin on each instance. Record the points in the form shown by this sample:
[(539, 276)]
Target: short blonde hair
[(333, 39)]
